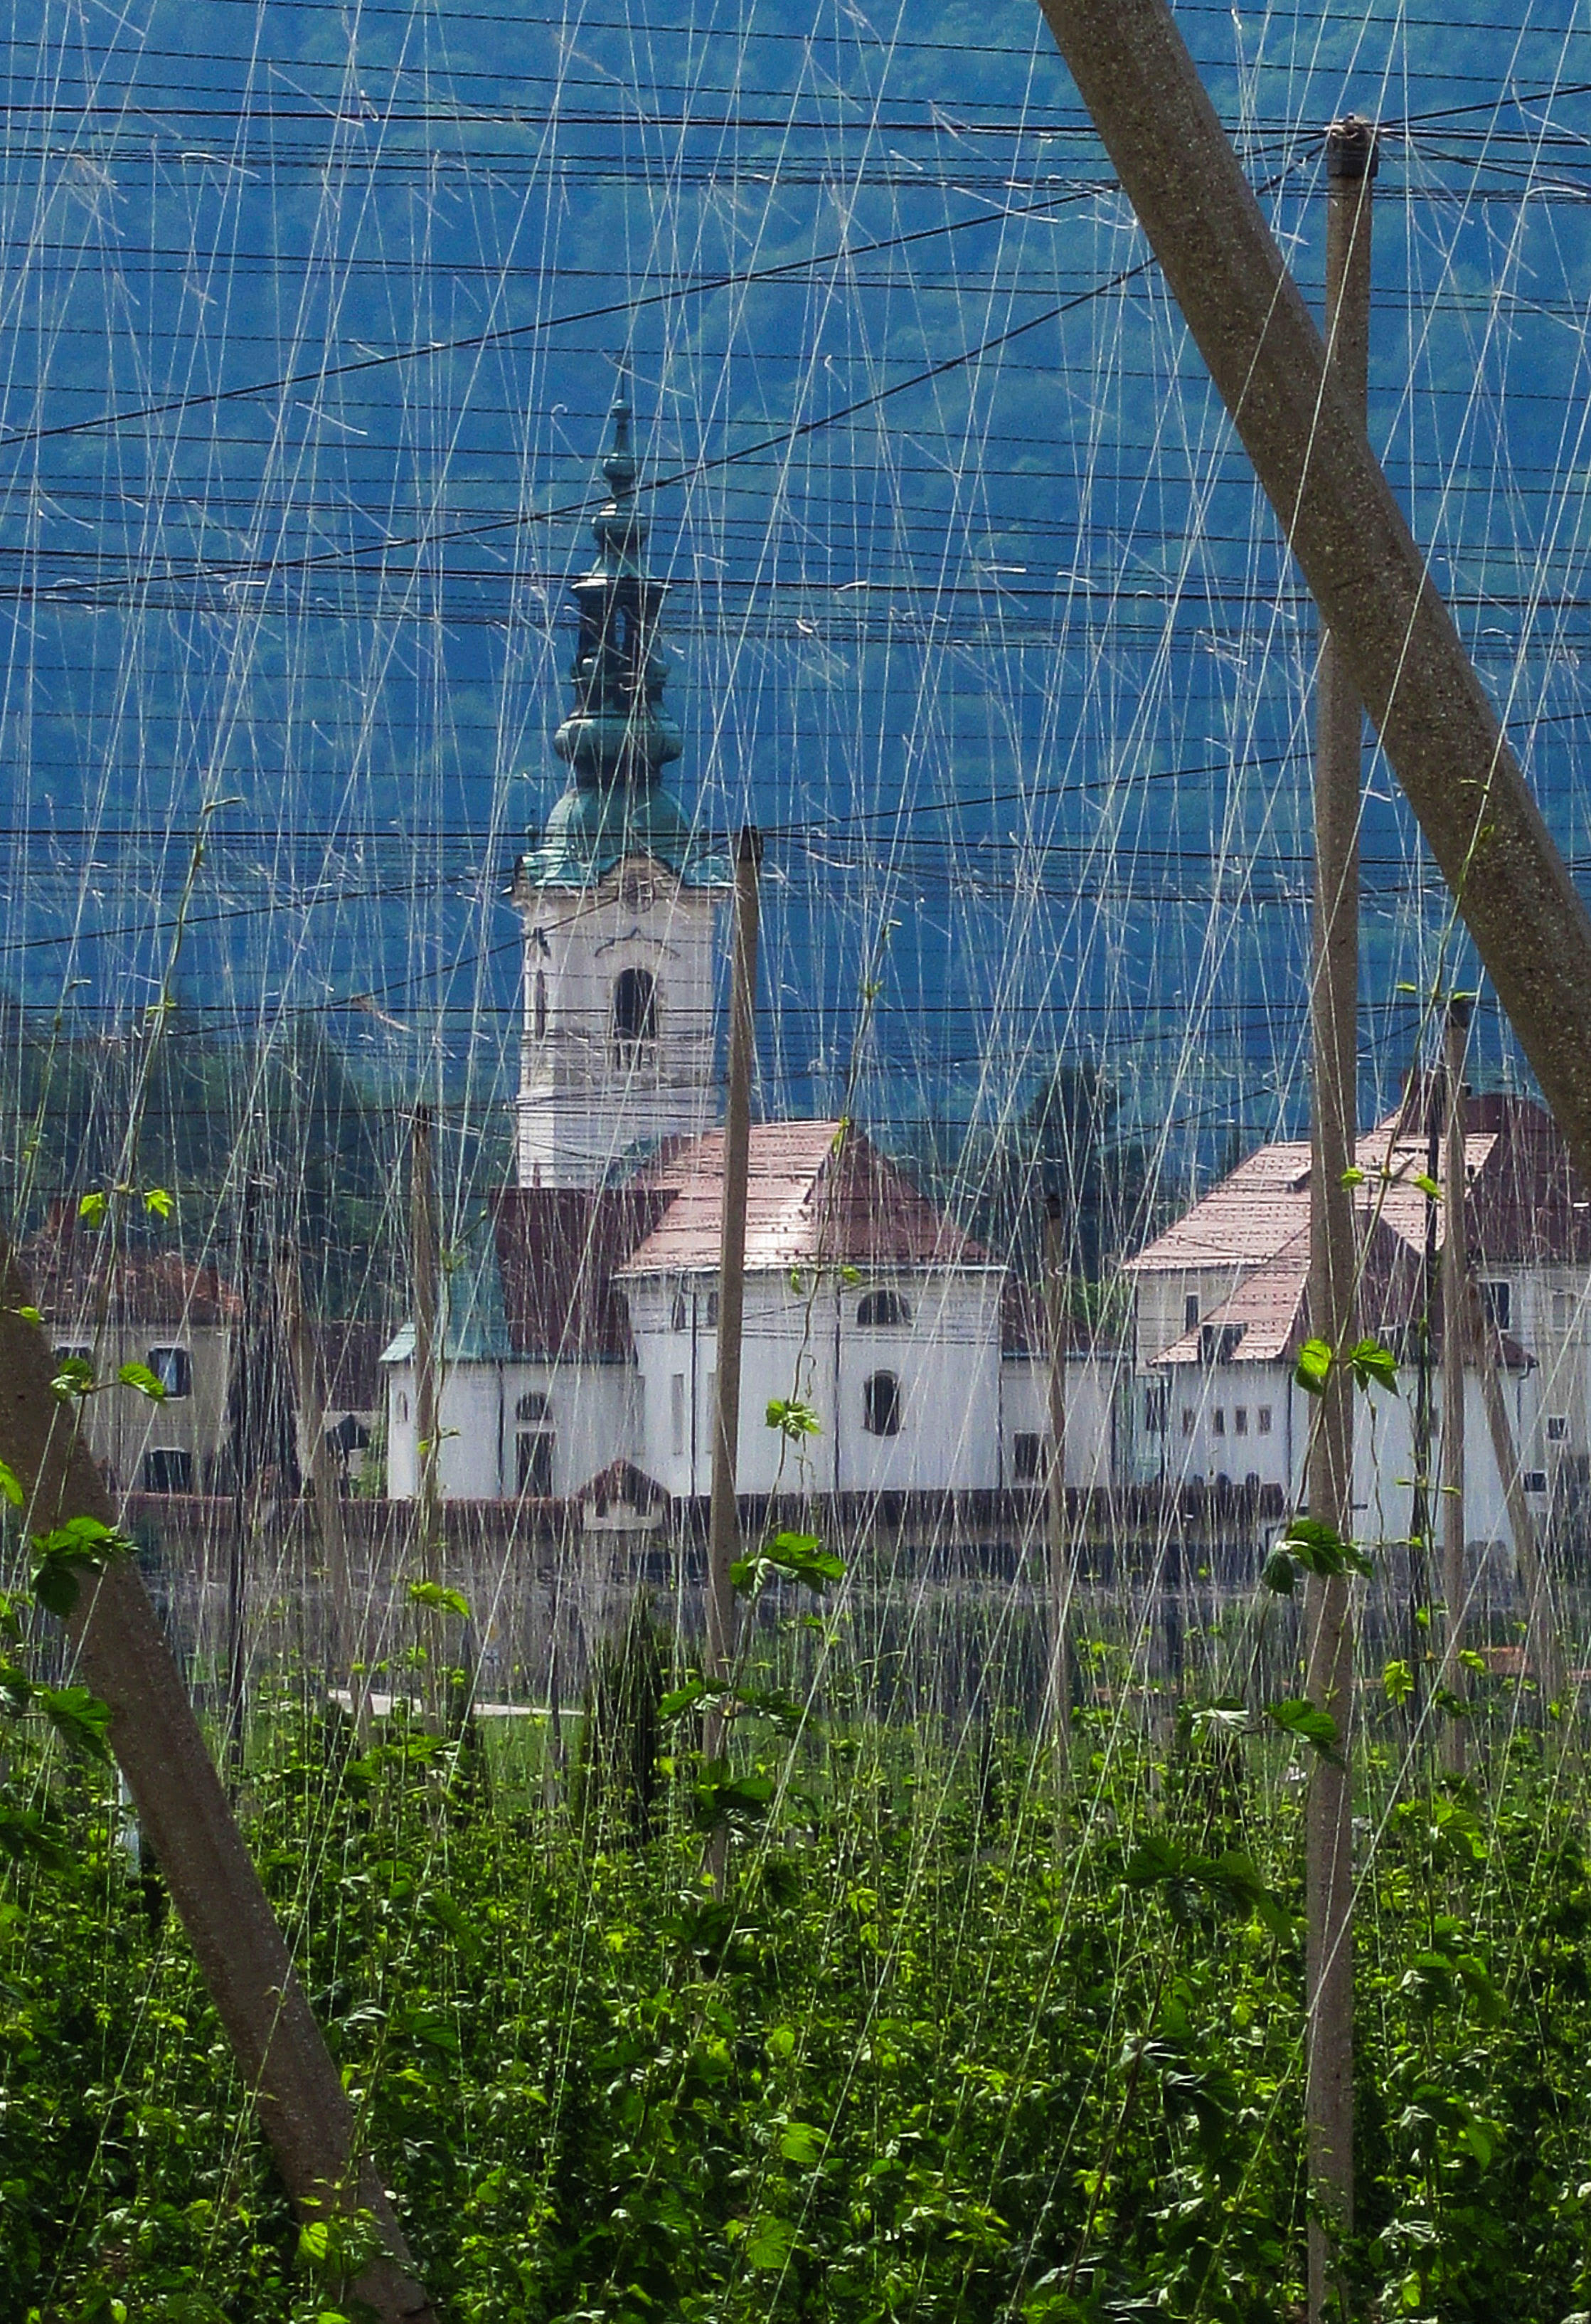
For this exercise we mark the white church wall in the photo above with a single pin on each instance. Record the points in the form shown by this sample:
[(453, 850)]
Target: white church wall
[(588, 1412)]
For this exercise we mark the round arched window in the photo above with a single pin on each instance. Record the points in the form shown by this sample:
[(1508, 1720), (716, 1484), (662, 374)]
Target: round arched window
[(635, 1007), (878, 1308), (881, 1405)]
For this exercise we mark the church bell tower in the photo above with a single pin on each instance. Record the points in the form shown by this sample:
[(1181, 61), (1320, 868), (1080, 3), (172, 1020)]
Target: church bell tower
[(620, 897)]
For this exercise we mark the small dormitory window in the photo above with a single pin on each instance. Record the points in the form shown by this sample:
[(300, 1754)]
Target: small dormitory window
[(1262, 1420), (540, 1011), (531, 1405), (1187, 1420), (679, 1314), (1221, 1420), (635, 1006), (1240, 1420), (173, 1368), (1189, 1311), (1556, 1428), (1497, 1298), (713, 1311), (882, 1307), (881, 1405), (1025, 1456), (167, 1469), (1154, 1408)]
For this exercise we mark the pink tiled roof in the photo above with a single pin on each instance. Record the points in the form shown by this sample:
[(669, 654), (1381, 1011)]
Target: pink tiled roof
[(1256, 1212), (64, 1265), (813, 1196)]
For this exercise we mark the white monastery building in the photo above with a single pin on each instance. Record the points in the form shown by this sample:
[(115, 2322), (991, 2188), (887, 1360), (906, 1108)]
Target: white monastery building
[(579, 1353), (1221, 1313)]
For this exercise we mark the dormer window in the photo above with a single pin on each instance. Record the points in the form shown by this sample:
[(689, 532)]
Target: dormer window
[(634, 1015)]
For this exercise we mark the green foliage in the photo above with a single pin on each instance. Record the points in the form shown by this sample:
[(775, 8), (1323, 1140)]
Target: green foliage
[(905, 2062), (799, 1555)]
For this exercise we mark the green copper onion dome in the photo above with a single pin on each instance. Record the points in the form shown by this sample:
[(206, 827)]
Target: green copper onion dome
[(618, 738)]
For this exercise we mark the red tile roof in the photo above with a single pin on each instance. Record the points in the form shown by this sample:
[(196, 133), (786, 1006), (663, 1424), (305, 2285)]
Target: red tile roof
[(64, 1265), (557, 1248), (1525, 1202), (814, 1197)]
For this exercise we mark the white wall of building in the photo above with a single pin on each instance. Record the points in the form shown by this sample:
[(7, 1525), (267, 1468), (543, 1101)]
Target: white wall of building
[(809, 1344), (1097, 1387), (591, 1413), (1215, 1436)]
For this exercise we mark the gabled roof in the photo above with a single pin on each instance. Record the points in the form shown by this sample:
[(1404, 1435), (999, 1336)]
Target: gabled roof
[(1525, 1203), (817, 1193), (1269, 1311), (64, 1265), (557, 1250)]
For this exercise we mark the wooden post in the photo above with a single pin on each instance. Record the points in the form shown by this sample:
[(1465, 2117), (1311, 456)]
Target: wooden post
[(304, 2110), (1456, 1345), (723, 1527), (247, 1432), (1306, 438), (1334, 1003), (315, 1460), (1058, 1676)]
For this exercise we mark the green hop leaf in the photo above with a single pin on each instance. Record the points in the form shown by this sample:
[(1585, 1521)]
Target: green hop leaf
[(147, 1383), (440, 1599), (11, 1485), (792, 1418), (1397, 1682), (1373, 1366), (92, 1209), (1307, 1723), (160, 1203), (1314, 1367)]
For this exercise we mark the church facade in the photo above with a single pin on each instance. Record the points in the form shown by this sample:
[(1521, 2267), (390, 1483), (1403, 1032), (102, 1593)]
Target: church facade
[(579, 1350)]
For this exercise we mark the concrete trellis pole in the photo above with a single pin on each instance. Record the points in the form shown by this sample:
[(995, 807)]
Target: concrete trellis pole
[(1545, 1645), (723, 1533), (1457, 1341), (1334, 1002), (425, 1268), (304, 2109), (1057, 1685), (1396, 639), (315, 1461)]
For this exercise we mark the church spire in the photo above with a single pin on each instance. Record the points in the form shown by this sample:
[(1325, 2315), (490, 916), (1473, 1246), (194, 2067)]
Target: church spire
[(618, 737)]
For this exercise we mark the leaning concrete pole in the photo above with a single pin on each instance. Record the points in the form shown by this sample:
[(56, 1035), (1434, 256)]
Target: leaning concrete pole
[(1456, 1351), (1334, 1009), (723, 1528), (304, 2109), (1401, 652)]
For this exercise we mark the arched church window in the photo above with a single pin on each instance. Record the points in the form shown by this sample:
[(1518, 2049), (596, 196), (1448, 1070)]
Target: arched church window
[(881, 1405), (538, 1006), (635, 1012), (878, 1308)]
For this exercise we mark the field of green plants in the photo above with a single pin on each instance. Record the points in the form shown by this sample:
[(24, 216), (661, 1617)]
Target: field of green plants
[(948, 2042)]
